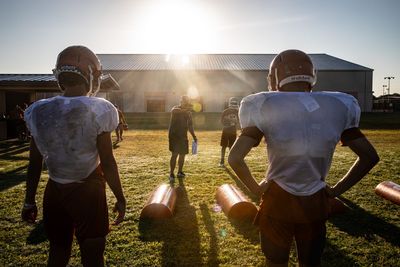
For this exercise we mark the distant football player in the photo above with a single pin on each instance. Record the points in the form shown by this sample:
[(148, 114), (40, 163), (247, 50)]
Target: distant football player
[(180, 123), (230, 121), (72, 133), (122, 125), (301, 129)]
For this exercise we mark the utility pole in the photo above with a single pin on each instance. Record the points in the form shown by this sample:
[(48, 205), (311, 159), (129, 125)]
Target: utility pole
[(388, 90), (388, 87)]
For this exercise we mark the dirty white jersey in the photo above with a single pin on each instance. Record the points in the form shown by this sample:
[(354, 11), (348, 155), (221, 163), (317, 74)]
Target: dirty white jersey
[(301, 131), (65, 130)]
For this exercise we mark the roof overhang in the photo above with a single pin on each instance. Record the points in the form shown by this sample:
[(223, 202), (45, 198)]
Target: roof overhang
[(46, 83)]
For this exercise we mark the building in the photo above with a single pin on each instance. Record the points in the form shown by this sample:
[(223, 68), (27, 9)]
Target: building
[(153, 83), (18, 90), (387, 103)]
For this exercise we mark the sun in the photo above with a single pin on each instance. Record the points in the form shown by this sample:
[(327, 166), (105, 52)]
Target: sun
[(177, 27)]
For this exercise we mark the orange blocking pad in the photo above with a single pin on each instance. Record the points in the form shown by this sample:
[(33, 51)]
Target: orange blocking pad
[(389, 190), (161, 203), (234, 203)]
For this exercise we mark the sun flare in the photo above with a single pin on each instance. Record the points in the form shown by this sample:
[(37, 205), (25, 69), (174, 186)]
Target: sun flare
[(180, 27)]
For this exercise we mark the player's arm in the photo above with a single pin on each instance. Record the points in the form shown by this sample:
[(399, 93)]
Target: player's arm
[(29, 210), (110, 169), (190, 126), (122, 117), (237, 124), (223, 118), (250, 137), (367, 159)]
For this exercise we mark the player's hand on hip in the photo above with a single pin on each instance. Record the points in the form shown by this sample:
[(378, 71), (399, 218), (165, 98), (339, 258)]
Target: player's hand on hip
[(330, 191), (120, 207), (29, 213), (264, 185)]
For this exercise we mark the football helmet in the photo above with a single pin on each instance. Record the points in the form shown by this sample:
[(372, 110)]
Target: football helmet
[(186, 103), (81, 61), (233, 102), (291, 66)]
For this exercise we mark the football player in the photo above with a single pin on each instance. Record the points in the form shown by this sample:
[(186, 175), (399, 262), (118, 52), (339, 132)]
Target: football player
[(301, 129), (122, 125), (230, 121), (72, 134), (181, 122)]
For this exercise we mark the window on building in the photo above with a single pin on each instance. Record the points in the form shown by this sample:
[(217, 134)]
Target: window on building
[(155, 105)]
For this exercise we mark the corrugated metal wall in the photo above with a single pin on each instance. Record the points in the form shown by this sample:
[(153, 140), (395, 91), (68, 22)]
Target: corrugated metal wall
[(215, 87)]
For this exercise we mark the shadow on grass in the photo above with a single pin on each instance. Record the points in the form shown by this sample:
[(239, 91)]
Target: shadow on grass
[(361, 223), (7, 146), (9, 150), (212, 254), (10, 154), (37, 235), (179, 234), (247, 229), (242, 187), (332, 256), (13, 178)]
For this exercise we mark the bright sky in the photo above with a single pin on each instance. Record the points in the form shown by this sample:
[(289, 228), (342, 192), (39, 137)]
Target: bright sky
[(365, 32)]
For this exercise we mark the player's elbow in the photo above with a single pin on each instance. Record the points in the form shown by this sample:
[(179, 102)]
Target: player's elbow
[(371, 158), (374, 158), (108, 163)]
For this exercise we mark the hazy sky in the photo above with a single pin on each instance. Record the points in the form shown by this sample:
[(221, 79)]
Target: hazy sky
[(366, 32)]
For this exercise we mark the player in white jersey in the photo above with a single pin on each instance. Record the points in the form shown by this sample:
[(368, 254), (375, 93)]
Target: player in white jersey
[(72, 134), (301, 129)]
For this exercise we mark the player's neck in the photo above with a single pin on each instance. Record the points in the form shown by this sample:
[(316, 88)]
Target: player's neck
[(296, 87), (74, 91)]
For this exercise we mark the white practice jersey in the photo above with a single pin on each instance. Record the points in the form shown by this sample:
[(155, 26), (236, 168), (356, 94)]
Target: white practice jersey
[(65, 130), (301, 131)]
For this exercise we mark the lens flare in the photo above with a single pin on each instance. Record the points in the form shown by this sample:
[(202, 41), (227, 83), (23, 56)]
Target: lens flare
[(196, 107), (192, 92)]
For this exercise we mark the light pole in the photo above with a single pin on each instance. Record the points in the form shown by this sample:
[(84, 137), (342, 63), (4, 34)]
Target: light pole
[(389, 78)]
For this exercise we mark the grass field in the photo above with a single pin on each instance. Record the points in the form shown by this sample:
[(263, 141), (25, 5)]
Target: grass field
[(367, 235)]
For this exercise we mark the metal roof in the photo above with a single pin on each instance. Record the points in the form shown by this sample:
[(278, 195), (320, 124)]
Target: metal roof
[(27, 78), (154, 62), (47, 80), (36, 77)]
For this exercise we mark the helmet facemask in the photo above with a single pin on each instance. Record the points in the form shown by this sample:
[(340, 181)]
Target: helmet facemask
[(93, 91)]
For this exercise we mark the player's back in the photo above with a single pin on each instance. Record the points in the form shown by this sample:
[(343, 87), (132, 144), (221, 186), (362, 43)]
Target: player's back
[(301, 131), (178, 126), (65, 130)]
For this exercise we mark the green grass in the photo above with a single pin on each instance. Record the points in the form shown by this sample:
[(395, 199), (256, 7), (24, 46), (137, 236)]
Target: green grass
[(367, 235), (212, 120)]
